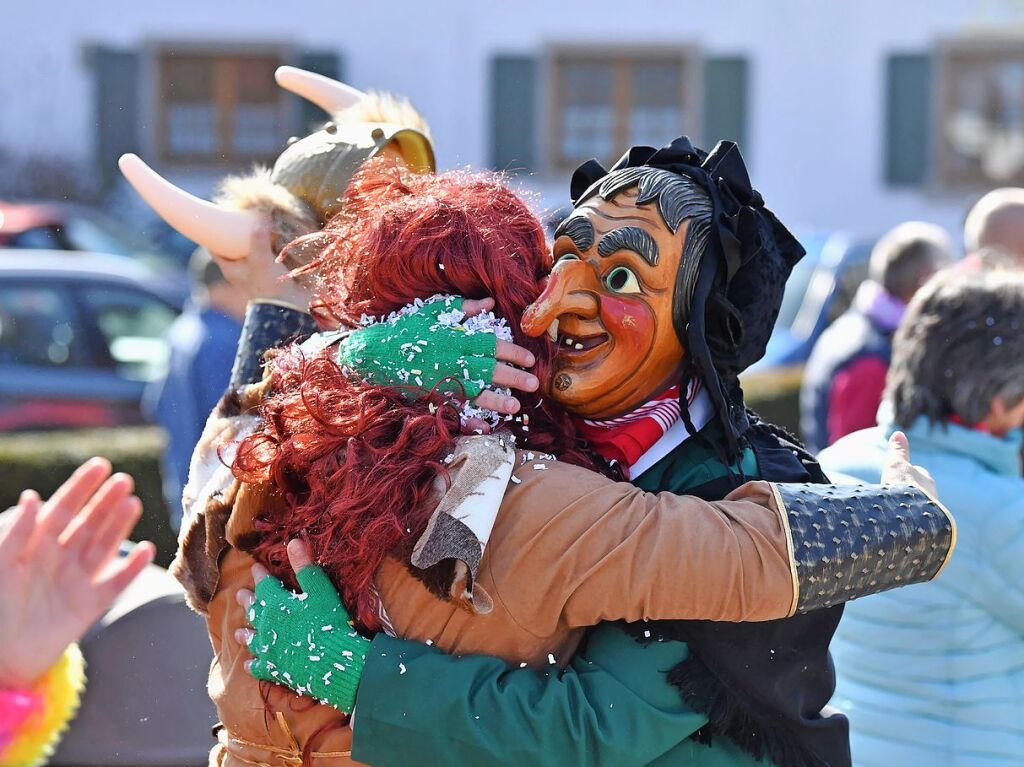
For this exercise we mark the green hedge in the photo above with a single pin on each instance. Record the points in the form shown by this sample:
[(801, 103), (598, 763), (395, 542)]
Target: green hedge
[(775, 395), (43, 460)]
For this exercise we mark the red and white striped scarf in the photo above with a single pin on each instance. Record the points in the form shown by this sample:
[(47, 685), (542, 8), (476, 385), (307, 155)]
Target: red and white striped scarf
[(625, 439)]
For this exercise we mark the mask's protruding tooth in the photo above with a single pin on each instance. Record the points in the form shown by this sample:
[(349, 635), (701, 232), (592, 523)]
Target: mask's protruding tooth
[(553, 330)]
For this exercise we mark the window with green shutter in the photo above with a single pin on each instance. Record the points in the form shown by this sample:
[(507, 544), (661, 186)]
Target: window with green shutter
[(513, 113), (908, 116), (601, 102), (979, 134), (725, 102), (328, 64), (218, 108), (116, 73)]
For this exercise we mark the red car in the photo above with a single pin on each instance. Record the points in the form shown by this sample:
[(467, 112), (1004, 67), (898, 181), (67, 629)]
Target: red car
[(66, 226)]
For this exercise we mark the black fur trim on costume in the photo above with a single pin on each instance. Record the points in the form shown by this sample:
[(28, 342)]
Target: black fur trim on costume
[(729, 716), (763, 685)]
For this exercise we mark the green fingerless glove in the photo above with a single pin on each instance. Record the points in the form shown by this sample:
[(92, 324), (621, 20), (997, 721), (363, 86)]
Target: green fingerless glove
[(422, 347), (306, 641)]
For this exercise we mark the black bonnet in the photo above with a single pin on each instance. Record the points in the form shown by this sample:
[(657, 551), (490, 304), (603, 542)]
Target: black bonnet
[(738, 289)]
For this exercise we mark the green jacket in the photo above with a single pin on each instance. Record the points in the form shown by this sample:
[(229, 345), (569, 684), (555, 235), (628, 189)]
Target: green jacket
[(611, 706)]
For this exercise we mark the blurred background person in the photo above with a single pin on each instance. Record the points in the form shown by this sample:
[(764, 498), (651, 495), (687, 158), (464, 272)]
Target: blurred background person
[(994, 230), (845, 374), (202, 341), (60, 570), (934, 674)]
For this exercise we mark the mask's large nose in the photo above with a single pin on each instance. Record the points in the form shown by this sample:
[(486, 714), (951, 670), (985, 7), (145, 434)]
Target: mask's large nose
[(571, 289)]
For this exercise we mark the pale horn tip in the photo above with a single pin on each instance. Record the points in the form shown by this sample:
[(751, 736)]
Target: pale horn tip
[(328, 94), (225, 233)]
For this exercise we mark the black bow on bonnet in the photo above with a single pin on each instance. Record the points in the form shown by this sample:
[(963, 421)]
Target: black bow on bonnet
[(725, 325)]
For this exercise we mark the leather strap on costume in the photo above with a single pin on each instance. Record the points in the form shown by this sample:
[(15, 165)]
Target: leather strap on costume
[(870, 540), (273, 756), (267, 324)]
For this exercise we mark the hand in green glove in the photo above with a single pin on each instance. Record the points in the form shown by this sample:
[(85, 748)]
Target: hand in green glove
[(442, 340), (305, 641)]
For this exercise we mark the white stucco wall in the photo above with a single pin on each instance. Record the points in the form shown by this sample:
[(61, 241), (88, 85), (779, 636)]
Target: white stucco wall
[(816, 105)]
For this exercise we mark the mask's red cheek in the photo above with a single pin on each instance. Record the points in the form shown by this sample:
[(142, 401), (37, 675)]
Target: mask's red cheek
[(628, 320)]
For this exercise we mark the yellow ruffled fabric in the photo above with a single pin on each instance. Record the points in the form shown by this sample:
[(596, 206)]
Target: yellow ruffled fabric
[(61, 692)]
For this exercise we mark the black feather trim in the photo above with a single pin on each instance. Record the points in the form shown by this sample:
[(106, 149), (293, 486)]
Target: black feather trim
[(730, 717)]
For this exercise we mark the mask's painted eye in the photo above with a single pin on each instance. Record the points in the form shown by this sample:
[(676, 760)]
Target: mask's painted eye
[(622, 280), (566, 257)]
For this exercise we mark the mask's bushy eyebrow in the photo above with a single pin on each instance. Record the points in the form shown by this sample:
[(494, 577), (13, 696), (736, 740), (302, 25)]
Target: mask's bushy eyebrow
[(629, 238), (578, 229)]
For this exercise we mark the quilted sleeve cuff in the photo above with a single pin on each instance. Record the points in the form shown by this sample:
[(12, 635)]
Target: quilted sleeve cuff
[(849, 542), (267, 324), (58, 693)]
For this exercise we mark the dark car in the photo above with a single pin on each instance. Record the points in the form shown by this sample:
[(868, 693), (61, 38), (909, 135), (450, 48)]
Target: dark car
[(80, 336), (821, 287)]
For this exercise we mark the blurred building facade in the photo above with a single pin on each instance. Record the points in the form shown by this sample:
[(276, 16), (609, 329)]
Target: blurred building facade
[(853, 116)]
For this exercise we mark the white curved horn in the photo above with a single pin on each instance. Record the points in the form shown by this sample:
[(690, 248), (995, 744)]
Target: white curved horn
[(225, 233), (330, 95)]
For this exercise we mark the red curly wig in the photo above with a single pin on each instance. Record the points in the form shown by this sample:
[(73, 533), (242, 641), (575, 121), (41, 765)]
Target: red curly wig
[(355, 464)]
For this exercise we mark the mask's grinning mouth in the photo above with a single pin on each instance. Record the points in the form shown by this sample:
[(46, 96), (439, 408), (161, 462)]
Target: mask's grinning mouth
[(581, 344)]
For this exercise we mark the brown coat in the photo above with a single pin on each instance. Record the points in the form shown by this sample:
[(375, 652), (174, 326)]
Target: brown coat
[(567, 549)]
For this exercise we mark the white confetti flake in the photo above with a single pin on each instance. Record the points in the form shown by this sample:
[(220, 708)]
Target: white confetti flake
[(551, 659), (539, 466), (401, 668), (516, 480)]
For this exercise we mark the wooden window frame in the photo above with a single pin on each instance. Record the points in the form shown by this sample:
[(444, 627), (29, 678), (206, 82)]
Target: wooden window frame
[(622, 59), (948, 55), (224, 98)]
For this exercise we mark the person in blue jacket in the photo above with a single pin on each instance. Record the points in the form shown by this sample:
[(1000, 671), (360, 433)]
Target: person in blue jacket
[(934, 674), (202, 342)]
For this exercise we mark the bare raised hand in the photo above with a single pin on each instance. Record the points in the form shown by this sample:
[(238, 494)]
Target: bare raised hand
[(898, 470), (60, 567)]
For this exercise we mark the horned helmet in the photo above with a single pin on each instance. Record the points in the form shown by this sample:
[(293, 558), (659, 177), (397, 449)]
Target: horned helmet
[(303, 188)]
